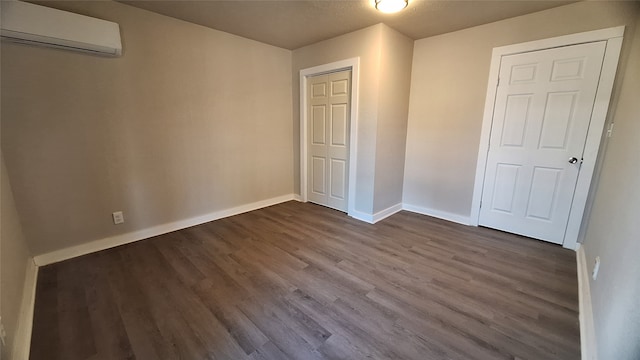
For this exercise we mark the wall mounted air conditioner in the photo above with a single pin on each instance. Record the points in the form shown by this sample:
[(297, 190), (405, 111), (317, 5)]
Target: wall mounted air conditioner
[(39, 25)]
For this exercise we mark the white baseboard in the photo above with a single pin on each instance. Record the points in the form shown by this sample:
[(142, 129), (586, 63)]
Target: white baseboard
[(587, 328), (464, 220), (113, 241), (380, 215), (297, 197), (374, 218), (22, 339), (361, 216)]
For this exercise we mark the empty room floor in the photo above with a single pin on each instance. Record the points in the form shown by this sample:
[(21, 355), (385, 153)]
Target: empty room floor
[(300, 281)]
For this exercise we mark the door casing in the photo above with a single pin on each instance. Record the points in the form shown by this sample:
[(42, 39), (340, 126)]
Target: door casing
[(613, 36), (352, 64)]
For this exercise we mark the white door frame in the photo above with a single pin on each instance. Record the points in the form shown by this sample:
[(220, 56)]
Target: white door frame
[(613, 37), (352, 64)]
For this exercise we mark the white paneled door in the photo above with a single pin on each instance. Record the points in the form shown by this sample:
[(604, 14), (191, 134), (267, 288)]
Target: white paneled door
[(328, 139), (540, 122)]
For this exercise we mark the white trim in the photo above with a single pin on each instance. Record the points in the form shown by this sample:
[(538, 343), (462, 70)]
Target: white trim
[(464, 220), (592, 146), (587, 329), (380, 215), (383, 214), (485, 134), (352, 64), (358, 215), (297, 197), (113, 241), (613, 36), (22, 339), (565, 40)]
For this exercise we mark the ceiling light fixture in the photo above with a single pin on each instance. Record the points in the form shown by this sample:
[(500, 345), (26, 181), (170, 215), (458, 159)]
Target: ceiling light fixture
[(391, 6)]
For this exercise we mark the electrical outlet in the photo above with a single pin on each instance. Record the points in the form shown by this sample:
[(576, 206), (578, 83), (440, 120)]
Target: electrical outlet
[(118, 217), (596, 268), (610, 130), (3, 334)]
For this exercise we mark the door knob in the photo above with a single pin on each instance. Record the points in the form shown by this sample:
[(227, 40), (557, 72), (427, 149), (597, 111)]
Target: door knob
[(573, 160)]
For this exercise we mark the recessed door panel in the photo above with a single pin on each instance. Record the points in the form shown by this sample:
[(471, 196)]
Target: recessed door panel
[(568, 69), (318, 179), (318, 120), (505, 187), (557, 119), (339, 124), (515, 120), (338, 173), (542, 197), (522, 74), (339, 87), (318, 90)]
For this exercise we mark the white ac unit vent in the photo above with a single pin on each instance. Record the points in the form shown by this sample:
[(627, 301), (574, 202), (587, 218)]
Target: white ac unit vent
[(39, 25)]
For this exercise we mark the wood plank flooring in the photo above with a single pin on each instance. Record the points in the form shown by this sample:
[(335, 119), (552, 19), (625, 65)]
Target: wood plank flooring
[(300, 281)]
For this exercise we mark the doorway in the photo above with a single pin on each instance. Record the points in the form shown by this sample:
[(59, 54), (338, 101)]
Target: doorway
[(328, 124), (328, 137), (544, 118)]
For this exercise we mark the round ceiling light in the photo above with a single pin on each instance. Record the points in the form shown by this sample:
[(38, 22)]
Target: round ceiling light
[(391, 6)]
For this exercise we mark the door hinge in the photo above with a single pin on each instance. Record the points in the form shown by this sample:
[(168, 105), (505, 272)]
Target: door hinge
[(610, 130), (480, 204), (498, 83)]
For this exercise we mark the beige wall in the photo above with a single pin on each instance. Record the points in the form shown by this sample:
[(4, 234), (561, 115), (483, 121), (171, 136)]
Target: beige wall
[(14, 255), (393, 107), (365, 44), (188, 121), (613, 232), (448, 88)]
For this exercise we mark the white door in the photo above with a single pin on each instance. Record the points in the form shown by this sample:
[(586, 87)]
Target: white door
[(328, 139), (541, 118)]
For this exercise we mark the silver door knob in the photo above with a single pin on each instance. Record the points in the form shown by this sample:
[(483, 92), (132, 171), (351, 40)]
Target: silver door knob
[(573, 160)]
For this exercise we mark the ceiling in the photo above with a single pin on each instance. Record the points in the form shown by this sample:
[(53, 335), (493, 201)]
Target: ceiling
[(291, 24)]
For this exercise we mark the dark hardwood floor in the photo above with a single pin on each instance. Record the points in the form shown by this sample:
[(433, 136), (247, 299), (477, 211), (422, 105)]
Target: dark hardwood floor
[(300, 281)]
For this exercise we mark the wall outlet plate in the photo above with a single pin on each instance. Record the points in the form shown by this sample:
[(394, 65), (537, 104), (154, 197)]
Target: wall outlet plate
[(3, 334), (118, 217), (596, 268)]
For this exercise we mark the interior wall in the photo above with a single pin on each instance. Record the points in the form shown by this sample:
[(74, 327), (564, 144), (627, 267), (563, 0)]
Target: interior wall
[(612, 231), (188, 121), (365, 44), (393, 108), (448, 88), (14, 257)]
